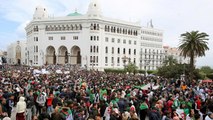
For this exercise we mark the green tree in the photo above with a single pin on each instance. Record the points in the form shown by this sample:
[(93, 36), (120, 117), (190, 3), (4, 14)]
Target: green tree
[(170, 61), (206, 69), (193, 44), (131, 68)]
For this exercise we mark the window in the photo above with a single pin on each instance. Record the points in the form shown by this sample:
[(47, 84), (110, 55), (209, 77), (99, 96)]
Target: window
[(75, 37), (35, 29), (134, 51), (118, 60), (97, 59), (112, 60), (129, 51), (106, 59), (119, 41), (90, 59), (124, 51), (135, 43), (118, 50), (94, 38), (50, 38), (106, 39), (97, 49), (94, 48), (130, 42), (112, 50), (36, 39), (113, 40), (106, 50), (97, 38), (124, 41), (35, 48), (63, 37), (91, 49), (134, 61), (91, 38)]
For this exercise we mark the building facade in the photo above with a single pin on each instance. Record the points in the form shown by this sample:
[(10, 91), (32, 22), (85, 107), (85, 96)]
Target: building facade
[(173, 51), (91, 40), (16, 53)]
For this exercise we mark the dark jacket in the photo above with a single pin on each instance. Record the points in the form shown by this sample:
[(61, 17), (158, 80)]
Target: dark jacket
[(30, 101)]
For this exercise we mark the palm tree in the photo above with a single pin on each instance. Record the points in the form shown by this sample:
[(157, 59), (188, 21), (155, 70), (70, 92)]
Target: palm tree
[(170, 61), (193, 44)]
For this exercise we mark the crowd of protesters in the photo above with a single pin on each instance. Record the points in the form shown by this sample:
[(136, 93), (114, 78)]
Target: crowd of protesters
[(95, 95)]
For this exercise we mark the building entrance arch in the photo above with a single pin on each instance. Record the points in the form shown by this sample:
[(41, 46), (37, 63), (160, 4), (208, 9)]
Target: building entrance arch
[(50, 55), (75, 55), (63, 55)]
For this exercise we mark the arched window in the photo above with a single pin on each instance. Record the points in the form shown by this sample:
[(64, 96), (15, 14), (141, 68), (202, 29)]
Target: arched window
[(67, 27), (94, 49), (117, 30), (106, 50), (71, 27), (95, 27), (97, 59), (112, 50), (118, 50), (111, 29), (124, 51), (91, 49), (80, 27), (91, 27), (97, 49), (105, 28)]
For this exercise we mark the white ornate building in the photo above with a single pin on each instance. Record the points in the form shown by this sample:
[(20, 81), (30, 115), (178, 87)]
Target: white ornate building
[(16, 53), (91, 40)]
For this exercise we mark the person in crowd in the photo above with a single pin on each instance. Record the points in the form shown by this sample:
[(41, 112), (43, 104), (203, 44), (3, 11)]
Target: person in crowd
[(44, 115), (21, 109), (40, 100), (82, 94), (30, 105)]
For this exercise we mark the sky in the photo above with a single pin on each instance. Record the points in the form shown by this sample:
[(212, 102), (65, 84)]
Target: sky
[(174, 17)]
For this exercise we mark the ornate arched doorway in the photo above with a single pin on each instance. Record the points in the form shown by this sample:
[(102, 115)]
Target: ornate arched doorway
[(63, 55), (50, 55), (18, 54), (75, 55)]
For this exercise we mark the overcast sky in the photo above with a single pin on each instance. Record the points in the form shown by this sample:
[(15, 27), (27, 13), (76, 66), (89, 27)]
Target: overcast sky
[(172, 16)]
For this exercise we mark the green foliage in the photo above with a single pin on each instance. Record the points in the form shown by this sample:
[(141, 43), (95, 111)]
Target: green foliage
[(174, 71), (170, 61), (131, 68), (193, 44), (152, 71), (210, 76), (206, 70), (141, 71)]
